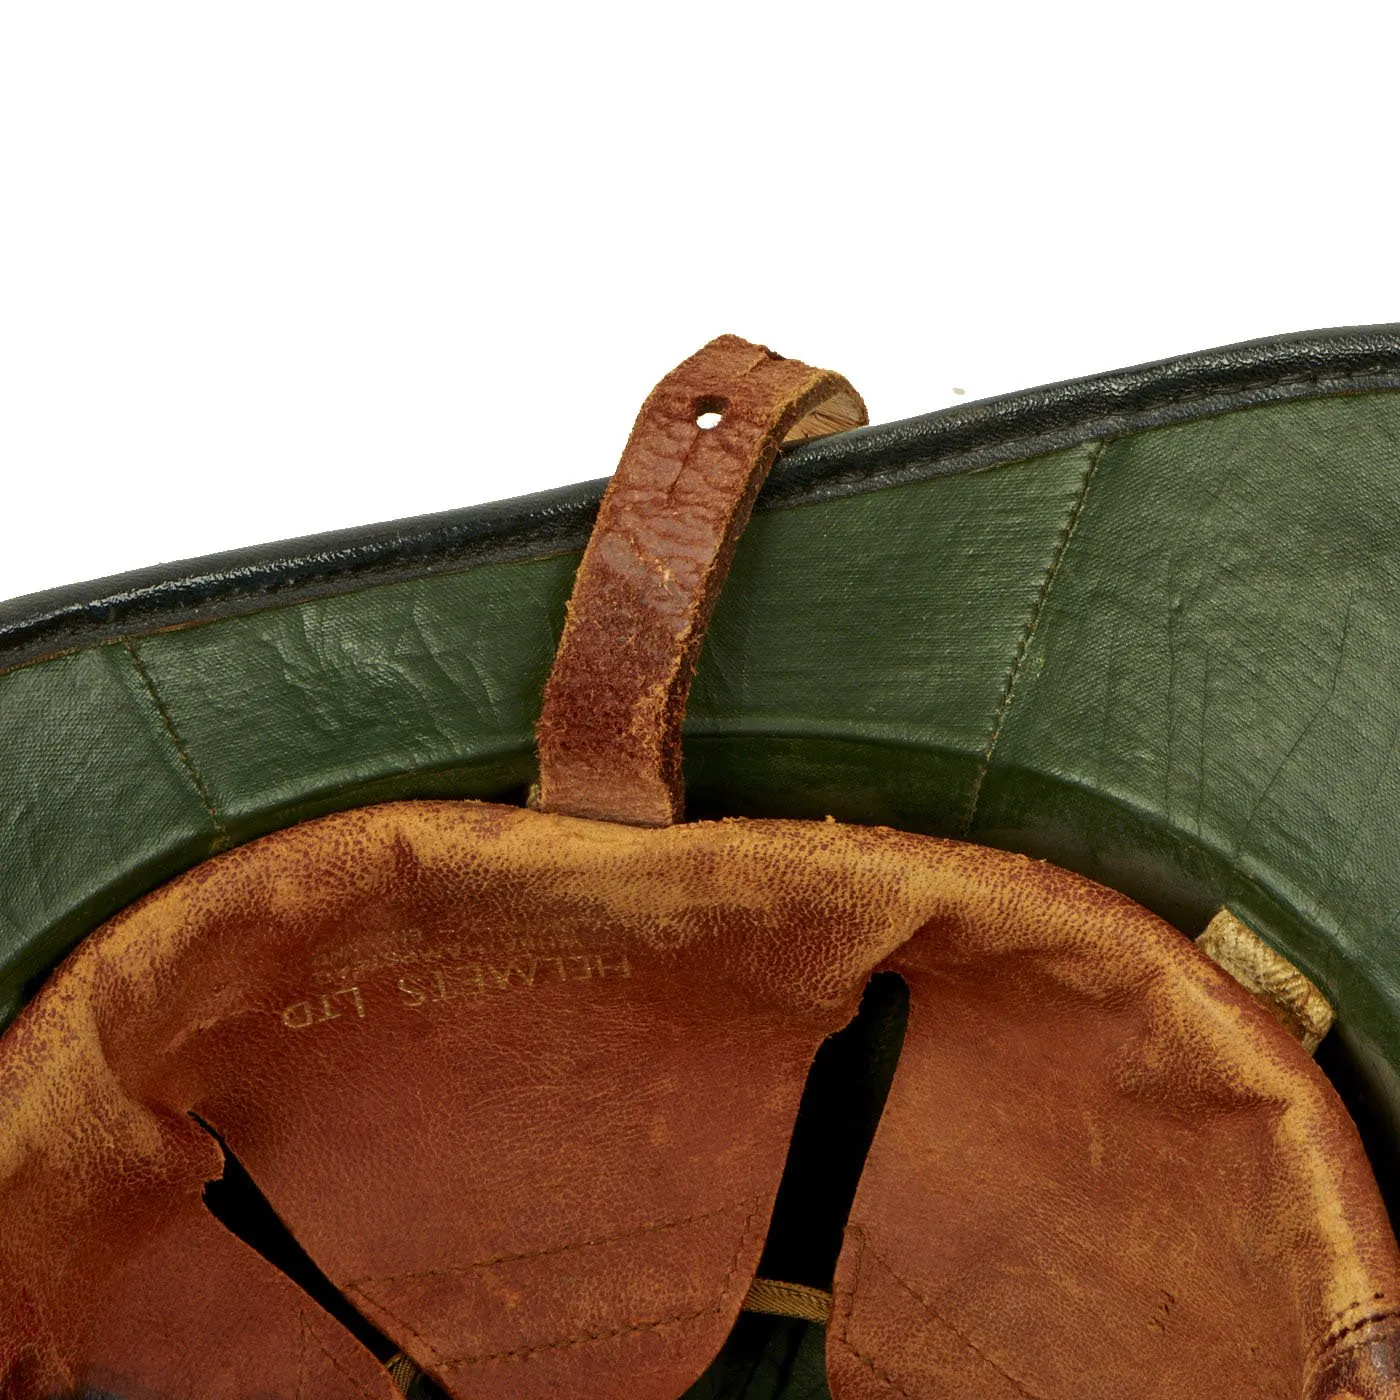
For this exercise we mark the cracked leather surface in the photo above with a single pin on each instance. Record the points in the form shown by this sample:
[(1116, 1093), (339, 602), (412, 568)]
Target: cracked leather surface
[(595, 1037), (609, 735)]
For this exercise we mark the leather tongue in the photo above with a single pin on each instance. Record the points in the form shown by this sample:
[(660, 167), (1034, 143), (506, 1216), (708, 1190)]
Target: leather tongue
[(610, 732)]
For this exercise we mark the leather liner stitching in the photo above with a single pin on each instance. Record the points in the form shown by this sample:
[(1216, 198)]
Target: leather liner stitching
[(360, 1388), (869, 1364), (524, 1353), (555, 1249), (1345, 1338), (1018, 660), (563, 1344), (849, 1316), (301, 1355), (428, 1352), (931, 1313), (186, 760)]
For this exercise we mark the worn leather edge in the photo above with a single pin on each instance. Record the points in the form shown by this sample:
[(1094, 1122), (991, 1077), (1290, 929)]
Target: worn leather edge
[(609, 732), (965, 438)]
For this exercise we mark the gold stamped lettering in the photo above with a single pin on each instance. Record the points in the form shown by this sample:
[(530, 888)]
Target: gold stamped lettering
[(451, 982), (524, 968), (354, 994), (301, 1014), (612, 964)]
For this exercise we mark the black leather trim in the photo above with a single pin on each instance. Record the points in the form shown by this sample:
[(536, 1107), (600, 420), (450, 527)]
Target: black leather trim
[(959, 439)]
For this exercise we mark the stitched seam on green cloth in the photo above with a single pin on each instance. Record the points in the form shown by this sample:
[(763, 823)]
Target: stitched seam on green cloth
[(1018, 660), (187, 762)]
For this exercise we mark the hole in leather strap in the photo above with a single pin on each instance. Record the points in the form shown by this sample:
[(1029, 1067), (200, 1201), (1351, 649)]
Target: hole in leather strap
[(609, 732)]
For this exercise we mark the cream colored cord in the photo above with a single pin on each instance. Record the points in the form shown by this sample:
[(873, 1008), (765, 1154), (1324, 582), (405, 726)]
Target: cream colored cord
[(767, 1295), (402, 1372), (1263, 971)]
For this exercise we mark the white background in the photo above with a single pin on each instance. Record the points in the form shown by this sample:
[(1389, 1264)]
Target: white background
[(272, 269)]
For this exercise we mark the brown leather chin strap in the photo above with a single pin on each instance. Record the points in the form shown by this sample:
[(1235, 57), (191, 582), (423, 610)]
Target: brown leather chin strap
[(609, 733)]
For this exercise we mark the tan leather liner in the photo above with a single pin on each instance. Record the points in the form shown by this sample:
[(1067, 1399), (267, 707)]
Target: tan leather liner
[(523, 1085), (481, 1060), (1100, 1173)]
